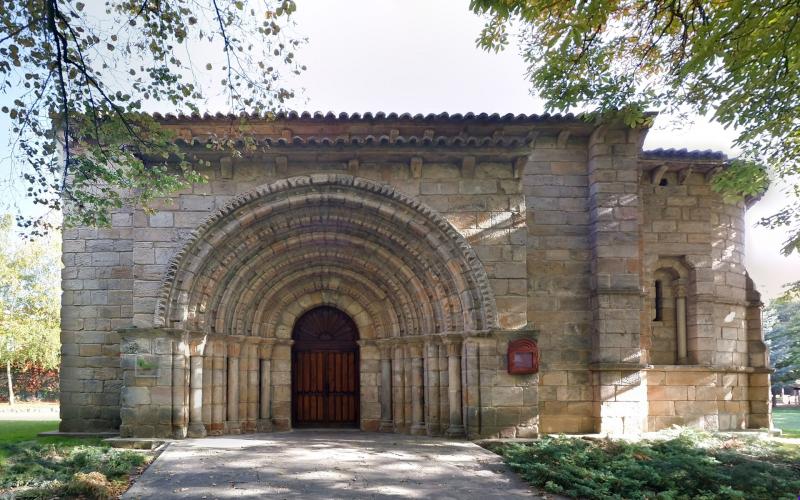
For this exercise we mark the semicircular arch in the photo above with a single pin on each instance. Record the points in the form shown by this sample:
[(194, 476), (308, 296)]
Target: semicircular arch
[(345, 226)]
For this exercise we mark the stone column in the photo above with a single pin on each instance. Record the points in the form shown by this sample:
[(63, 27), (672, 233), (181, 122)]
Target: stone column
[(243, 378), (398, 405), (208, 384), (386, 390), (196, 427), (217, 390), (432, 387), (233, 424), (252, 387), (180, 389), (417, 390), (456, 428), (265, 395), (680, 322)]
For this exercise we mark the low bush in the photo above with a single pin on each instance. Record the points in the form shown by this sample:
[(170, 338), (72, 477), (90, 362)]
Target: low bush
[(43, 470), (683, 465)]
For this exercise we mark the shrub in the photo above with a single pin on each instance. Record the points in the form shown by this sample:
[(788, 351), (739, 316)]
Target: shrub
[(685, 465)]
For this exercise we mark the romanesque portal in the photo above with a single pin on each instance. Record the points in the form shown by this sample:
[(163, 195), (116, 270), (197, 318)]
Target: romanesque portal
[(370, 271)]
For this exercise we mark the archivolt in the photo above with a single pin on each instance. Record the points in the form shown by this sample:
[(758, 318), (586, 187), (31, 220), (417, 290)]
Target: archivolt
[(402, 263)]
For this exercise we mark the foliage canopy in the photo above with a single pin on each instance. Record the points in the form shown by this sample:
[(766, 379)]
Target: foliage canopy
[(78, 77), (782, 332), (29, 300), (738, 60)]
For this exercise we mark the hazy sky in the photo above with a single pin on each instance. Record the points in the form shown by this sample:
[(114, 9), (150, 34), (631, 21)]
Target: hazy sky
[(420, 57)]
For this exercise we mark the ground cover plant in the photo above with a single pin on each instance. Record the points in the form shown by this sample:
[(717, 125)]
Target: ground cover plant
[(684, 464), (49, 467), (787, 420)]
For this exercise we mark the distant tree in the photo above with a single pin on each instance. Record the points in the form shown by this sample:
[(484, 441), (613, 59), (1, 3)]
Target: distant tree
[(782, 332), (76, 77), (738, 60), (29, 302)]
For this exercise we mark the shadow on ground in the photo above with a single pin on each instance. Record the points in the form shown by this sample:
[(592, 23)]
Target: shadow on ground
[(328, 464)]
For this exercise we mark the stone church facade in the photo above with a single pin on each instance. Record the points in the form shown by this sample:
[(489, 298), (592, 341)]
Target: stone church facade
[(373, 270)]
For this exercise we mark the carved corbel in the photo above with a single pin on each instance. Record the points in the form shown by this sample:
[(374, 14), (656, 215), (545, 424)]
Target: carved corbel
[(352, 167), (416, 167), (711, 173), (281, 165), (657, 174), (468, 166), (683, 175), (530, 139), (518, 166), (226, 167), (563, 137), (598, 134)]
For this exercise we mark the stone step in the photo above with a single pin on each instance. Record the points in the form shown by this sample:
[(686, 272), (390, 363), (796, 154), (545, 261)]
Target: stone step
[(136, 443)]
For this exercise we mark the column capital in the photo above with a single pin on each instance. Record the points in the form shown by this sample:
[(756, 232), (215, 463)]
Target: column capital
[(265, 351), (197, 346), (234, 348), (415, 348), (453, 346)]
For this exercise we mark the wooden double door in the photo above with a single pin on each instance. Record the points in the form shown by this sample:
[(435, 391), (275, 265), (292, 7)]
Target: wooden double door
[(325, 370)]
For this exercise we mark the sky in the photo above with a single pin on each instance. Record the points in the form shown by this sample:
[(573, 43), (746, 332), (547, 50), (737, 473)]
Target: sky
[(420, 56)]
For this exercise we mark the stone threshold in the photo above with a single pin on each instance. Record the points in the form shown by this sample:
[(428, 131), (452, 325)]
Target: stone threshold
[(136, 443)]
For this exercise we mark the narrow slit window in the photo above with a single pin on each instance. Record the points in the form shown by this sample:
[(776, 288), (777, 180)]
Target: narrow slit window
[(658, 306)]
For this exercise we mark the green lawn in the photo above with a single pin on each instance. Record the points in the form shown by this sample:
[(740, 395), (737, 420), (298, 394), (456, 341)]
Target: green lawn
[(48, 467), (788, 420), (684, 464)]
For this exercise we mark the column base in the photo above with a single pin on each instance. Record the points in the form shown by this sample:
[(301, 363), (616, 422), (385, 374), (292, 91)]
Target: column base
[(386, 426), (196, 430), (455, 431), (179, 432), (419, 430), (233, 427), (264, 425)]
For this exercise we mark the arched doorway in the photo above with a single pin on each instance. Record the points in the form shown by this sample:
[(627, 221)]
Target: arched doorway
[(325, 369)]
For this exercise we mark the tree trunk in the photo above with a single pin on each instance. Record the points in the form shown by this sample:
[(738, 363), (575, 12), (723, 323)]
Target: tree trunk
[(10, 384)]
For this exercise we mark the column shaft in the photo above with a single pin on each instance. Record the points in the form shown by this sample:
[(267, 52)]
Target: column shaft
[(386, 392), (432, 401), (196, 427), (233, 393), (265, 416), (680, 313), (456, 428), (417, 391), (217, 390)]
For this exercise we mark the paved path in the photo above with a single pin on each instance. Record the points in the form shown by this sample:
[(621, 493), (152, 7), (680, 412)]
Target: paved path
[(327, 464)]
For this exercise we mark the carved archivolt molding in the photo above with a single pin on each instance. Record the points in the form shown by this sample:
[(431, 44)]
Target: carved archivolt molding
[(352, 240)]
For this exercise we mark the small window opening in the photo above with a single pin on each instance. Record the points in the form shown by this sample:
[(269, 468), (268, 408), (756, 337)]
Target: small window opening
[(664, 182), (658, 301)]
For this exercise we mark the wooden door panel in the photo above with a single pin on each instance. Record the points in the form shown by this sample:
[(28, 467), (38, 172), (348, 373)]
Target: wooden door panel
[(325, 373)]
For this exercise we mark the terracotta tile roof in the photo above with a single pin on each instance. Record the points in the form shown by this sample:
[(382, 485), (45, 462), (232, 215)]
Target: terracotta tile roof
[(380, 115), (683, 154)]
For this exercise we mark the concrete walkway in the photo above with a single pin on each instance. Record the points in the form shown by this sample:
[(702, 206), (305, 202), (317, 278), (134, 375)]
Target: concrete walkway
[(327, 464)]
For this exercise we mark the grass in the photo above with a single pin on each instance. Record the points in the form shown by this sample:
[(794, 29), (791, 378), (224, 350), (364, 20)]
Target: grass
[(788, 420), (684, 465), (48, 467)]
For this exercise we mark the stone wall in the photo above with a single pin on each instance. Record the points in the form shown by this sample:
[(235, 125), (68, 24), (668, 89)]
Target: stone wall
[(443, 239), (97, 300)]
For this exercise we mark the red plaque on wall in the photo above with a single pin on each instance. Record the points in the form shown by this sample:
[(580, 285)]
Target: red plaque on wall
[(523, 357)]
